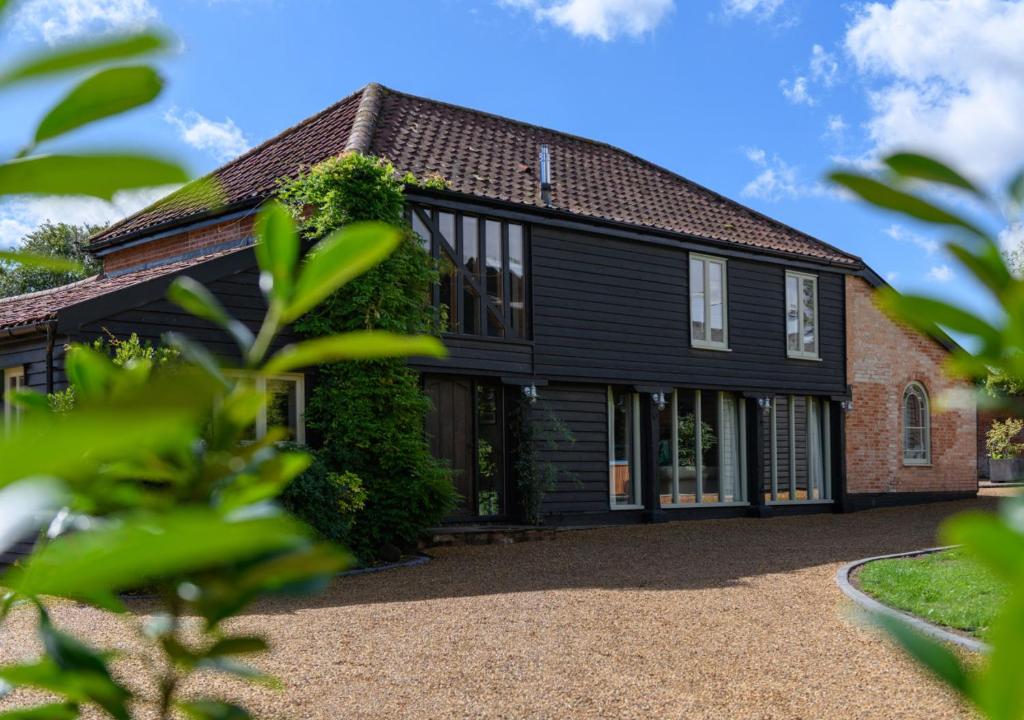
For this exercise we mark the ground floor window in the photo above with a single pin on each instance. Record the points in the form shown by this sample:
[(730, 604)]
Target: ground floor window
[(702, 449), (285, 407), (797, 450), (14, 380), (623, 448)]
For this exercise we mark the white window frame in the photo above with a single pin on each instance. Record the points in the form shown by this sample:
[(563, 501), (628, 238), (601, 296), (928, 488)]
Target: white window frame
[(635, 460), (260, 385), (12, 413), (707, 343), (802, 354), (926, 428)]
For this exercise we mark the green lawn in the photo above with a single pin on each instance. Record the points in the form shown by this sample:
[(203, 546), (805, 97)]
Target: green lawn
[(945, 588)]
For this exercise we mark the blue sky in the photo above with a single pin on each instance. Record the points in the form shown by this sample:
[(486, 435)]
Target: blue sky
[(756, 99)]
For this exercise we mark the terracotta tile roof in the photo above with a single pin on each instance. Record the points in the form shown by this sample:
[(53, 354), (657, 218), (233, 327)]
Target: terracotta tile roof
[(37, 307), (495, 158)]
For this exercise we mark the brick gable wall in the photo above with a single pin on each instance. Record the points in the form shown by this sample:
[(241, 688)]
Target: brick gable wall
[(189, 242), (882, 358)]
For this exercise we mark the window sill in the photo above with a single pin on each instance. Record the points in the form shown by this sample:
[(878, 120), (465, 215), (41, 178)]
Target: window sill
[(912, 464), (805, 358), (714, 348), (799, 502), (690, 506), (627, 507)]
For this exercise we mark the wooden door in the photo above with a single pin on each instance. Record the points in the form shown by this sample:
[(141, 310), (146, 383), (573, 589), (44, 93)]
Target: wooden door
[(452, 435)]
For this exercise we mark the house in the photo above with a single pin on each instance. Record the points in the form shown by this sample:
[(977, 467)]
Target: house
[(708, 360)]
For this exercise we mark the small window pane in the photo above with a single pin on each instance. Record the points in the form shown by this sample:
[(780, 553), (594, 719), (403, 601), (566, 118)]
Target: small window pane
[(471, 259), (810, 301), (686, 420), (517, 278), (698, 331), (792, 315), (710, 428), (446, 221), (494, 276), (623, 456), (420, 228), (283, 406), (716, 316)]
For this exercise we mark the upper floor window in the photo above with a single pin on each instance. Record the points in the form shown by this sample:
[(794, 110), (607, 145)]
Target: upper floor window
[(801, 315), (14, 380), (708, 304), (483, 267), (916, 426)]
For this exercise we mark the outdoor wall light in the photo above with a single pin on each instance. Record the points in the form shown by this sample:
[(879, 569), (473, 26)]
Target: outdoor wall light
[(764, 403), (659, 400), (846, 405), (530, 393)]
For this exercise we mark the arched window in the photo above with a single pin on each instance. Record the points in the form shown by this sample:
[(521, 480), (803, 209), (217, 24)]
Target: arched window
[(916, 426)]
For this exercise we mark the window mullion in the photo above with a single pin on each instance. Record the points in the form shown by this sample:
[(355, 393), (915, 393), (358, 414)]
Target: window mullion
[(675, 447)]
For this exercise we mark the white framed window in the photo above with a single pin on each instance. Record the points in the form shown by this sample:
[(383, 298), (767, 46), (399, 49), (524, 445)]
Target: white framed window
[(624, 449), (798, 437), (709, 314), (801, 315), (917, 446), (285, 406), (14, 380)]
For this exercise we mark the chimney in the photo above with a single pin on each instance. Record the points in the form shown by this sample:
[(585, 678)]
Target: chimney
[(545, 175)]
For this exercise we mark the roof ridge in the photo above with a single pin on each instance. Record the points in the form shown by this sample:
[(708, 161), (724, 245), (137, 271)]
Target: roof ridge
[(600, 143), (107, 231), (360, 137)]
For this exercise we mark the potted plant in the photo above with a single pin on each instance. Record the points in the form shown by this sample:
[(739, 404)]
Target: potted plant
[(1005, 461)]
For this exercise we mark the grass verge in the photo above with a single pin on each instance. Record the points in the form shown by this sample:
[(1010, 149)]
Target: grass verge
[(945, 588)]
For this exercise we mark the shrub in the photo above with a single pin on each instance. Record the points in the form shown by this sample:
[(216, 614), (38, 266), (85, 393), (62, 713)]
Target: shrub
[(328, 501), (999, 439), (370, 415)]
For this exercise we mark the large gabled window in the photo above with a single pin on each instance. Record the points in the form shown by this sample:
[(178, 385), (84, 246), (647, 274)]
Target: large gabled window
[(801, 315), (483, 266), (709, 315), (14, 380)]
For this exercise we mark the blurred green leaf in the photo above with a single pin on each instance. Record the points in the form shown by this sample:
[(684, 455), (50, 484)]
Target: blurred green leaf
[(991, 541), (922, 167), (107, 93), (1000, 692), (213, 710), (100, 175), (27, 505), (277, 250), (78, 687), (986, 262), (231, 666), (240, 645), (90, 372), (193, 297), (357, 345), (196, 354), (266, 483), (1015, 189), (933, 655), (83, 55), (135, 548), (46, 262), (337, 259), (883, 196), (53, 711), (924, 313)]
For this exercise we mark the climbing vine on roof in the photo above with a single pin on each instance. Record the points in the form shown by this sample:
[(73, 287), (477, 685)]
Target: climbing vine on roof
[(368, 417)]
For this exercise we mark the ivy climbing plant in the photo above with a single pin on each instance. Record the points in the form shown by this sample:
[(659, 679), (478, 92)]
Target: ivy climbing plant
[(369, 416)]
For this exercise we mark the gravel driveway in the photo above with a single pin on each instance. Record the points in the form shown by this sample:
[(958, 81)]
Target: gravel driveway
[(717, 619)]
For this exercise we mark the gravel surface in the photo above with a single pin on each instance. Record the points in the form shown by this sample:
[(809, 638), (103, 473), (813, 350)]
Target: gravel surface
[(712, 619)]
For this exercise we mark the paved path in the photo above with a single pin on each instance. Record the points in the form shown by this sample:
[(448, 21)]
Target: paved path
[(715, 619)]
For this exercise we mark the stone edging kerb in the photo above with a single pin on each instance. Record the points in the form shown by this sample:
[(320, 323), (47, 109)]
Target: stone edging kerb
[(869, 603)]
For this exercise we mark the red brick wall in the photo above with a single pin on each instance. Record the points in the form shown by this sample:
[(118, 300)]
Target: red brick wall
[(174, 245), (882, 358)]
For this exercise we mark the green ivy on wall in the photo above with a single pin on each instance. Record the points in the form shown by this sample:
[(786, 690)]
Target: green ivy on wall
[(369, 416)]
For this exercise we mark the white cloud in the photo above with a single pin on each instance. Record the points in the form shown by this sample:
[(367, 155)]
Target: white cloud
[(58, 20), (21, 215), (824, 66), (891, 277), (901, 234), (224, 140), (796, 91), (835, 127), (777, 180), (761, 9), (940, 273), (952, 79), (603, 19)]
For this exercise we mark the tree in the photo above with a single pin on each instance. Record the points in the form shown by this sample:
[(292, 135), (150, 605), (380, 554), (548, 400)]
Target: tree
[(53, 240)]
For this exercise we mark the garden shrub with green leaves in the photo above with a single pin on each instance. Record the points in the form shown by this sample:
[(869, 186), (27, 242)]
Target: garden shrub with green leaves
[(999, 440), (370, 415), (328, 501), (149, 471), (909, 184)]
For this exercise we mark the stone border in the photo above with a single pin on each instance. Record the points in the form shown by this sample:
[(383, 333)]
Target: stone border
[(411, 562), (869, 603)]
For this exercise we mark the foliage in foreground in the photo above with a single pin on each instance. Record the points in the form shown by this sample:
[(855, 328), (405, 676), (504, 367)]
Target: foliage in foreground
[(995, 541), (947, 588), (370, 415), (59, 241)]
